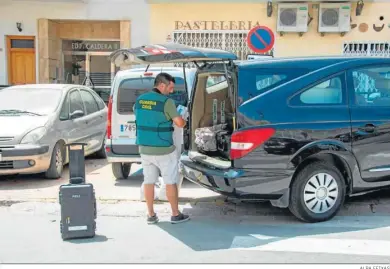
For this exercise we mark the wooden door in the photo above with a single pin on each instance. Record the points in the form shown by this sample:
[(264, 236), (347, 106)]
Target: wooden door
[(21, 60)]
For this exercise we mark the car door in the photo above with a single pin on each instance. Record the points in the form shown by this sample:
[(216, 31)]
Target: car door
[(103, 111), (94, 122), (78, 122), (370, 120)]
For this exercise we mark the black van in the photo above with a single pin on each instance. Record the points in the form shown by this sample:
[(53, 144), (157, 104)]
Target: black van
[(302, 133)]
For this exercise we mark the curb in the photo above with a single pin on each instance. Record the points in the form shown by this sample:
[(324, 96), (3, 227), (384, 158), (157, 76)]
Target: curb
[(218, 201), (216, 209)]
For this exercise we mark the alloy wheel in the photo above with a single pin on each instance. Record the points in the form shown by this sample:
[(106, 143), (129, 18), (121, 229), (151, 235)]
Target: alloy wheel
[(320, 193)]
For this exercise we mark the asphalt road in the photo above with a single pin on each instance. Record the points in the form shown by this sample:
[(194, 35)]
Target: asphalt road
[(30, 234), (219, 232)]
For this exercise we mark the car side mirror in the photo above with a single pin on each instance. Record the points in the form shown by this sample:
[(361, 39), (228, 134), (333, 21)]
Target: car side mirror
[(76, 114)]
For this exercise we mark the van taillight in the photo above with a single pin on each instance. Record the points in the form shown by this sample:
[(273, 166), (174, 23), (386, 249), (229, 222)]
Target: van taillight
[(109, 115), (243, 142), (148, 74)]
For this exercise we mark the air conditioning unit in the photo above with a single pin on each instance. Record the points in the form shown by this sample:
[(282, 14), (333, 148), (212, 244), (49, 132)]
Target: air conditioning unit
[(292, 17), (334, 18)]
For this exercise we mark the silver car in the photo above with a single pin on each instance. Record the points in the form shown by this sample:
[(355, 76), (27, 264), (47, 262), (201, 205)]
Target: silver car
[(37, 121)]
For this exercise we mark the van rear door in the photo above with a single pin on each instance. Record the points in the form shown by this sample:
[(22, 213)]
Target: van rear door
[(123, 119), (169, 53)]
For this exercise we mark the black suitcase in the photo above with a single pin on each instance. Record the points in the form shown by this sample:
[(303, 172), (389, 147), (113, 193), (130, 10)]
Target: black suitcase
[(78, 211)]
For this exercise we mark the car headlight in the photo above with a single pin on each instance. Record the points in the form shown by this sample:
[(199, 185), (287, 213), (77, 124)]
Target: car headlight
[(34, 136)]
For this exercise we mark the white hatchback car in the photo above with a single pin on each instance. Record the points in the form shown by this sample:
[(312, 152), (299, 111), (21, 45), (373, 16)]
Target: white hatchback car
[(121, 149)]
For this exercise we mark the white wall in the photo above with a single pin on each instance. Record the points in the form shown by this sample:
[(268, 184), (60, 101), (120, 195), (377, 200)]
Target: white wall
[(27, 12)]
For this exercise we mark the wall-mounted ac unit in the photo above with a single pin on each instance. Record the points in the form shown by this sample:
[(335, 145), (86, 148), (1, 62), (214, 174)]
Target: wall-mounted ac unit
[(292, 17), (334, 18)]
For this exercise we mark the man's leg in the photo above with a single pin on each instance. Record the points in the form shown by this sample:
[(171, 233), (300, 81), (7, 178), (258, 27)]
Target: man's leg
[(170, 172), (150, 172), (173, 198)]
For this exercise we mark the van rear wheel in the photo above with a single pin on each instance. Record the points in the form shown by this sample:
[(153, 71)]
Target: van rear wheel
[(121, 170), (317, 193)]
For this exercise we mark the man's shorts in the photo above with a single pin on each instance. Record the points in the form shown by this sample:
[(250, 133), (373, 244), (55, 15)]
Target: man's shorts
[(168, 165)]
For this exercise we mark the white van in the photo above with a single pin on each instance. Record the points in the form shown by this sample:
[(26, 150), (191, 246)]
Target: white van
[(121, 149)]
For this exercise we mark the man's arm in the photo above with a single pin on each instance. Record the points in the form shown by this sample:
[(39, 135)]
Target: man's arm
[(170, 109)]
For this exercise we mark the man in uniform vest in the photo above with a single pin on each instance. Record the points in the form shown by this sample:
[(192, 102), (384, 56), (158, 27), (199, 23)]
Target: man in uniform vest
[(155, 114)]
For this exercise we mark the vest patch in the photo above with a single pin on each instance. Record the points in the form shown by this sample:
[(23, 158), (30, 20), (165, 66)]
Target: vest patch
[(150, 105)]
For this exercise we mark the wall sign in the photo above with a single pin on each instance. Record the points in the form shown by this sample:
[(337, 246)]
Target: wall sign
[(215, 25), (82, 45)]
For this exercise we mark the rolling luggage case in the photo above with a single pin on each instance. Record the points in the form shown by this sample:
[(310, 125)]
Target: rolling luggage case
[(78, 211)]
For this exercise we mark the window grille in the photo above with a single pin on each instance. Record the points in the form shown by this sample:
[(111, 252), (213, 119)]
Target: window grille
[(379, 49)]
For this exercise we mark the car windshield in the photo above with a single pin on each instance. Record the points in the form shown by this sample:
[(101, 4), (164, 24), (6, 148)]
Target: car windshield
[(29, 101)]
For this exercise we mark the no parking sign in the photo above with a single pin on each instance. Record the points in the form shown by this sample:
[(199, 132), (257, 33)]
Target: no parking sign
[(261, 39)]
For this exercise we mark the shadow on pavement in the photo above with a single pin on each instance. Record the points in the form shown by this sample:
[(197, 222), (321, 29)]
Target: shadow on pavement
[(224, 231), (211, 234), (37, 181), (97, 239)]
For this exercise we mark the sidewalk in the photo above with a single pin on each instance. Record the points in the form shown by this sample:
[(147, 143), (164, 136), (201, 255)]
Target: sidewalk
[(110, 191), (98, 172)]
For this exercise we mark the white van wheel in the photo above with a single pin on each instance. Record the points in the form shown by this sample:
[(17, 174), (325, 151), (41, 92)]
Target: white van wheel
[(121, 170)]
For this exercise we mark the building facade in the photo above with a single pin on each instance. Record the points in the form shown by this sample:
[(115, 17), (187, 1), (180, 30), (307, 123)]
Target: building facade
[(68, 41), (225, 25), (65, 41)]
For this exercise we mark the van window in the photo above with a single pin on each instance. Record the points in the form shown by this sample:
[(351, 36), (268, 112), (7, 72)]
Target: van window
[(216, 83), (129, 90), (179, 95), (213, 80)]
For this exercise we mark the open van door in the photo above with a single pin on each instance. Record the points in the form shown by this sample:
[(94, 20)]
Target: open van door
[(169, 53)]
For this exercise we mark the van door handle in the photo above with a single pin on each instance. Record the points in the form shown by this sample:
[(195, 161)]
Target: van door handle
[(369, 128)]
